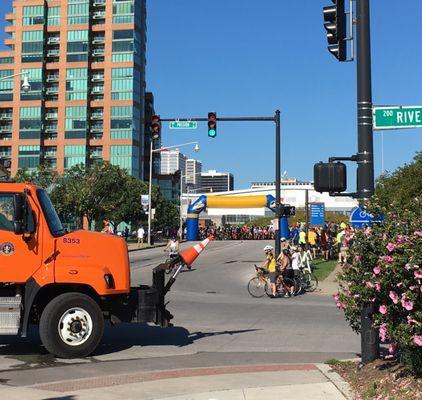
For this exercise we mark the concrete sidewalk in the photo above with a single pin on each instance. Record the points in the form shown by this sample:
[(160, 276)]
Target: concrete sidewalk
[(134, 246), (243, 382)]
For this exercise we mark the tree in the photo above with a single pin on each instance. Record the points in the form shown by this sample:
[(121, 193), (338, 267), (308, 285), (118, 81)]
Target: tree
[(166, 213), (402, 186), (44, 176)]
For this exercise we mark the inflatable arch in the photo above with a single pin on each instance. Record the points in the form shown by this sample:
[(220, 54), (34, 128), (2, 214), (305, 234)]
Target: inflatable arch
[(203, 202)]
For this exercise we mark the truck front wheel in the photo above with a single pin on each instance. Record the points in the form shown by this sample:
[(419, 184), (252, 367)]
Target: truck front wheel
[(71, 325)]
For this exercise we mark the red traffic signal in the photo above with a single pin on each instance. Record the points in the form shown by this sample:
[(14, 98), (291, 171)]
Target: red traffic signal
[(212, 124), (155, 126)]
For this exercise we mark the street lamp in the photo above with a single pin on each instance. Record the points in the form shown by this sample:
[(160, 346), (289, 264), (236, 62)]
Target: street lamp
[(196, 149), (26, 87)]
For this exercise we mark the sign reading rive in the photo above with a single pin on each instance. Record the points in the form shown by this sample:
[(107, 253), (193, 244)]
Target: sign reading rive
[(397, 117)]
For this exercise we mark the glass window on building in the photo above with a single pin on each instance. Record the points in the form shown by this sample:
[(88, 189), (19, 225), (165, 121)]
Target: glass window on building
[(76, 84), (123, 45), (6, 85), (126, 157), (75, 125), (123, 11), (77, 46), (74, 155), (121, 122), (33, 15), (29, 157), (78, 12), (7, 60), (32, 46), (122, 84), (53, 16), (30, 123), (35, 79)]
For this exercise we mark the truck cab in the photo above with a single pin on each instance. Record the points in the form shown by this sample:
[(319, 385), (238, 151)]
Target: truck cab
[(66, 283)]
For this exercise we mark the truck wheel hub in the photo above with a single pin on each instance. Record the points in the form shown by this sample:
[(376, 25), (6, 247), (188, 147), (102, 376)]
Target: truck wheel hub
[(75, 326)]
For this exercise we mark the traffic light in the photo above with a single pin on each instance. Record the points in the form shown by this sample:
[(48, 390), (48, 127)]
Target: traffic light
[(212, 124), (335, 23), (330, 177), (155, 126)]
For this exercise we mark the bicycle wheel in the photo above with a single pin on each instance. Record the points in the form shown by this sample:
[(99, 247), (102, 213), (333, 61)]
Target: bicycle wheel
[(311, 282), (256, 287), (287, 286), (298, 285)]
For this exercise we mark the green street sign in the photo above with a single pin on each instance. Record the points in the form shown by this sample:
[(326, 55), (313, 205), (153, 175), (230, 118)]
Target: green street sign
[(183, 125), (397, 117)]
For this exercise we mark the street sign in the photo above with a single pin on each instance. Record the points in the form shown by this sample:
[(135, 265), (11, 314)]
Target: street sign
[(183, 125), (360, 218), (397, 117), (317, 213)]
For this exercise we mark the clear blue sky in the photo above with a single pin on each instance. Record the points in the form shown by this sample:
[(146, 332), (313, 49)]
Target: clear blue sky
[(247, 58)]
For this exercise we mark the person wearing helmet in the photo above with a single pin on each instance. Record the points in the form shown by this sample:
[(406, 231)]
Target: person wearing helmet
[(270, 265)]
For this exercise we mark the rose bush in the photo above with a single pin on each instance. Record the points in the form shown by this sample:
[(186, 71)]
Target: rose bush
[(386, 270)]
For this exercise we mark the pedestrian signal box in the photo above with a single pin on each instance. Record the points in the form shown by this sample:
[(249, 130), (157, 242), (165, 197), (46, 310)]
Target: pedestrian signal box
[(330, 177)]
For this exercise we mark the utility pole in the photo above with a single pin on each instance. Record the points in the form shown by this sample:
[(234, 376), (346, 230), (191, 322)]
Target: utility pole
[(365, 156), (277, 182)]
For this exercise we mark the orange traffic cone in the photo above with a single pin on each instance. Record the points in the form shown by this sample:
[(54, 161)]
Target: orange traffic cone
[(190, 255)]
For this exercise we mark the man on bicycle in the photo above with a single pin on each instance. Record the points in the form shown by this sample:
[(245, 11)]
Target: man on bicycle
[(270, 265)]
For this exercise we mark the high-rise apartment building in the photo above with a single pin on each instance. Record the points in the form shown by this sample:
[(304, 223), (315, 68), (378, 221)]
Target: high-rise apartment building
[(85, 60), (213, 181)]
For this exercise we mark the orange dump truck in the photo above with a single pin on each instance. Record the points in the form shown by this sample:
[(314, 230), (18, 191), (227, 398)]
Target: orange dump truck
[(66, 283)]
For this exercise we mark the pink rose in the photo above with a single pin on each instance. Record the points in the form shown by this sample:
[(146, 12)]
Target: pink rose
[(392, 348), (407, 304), (394, 297), (388, 259), (390, 247), (370, 285), (377, 270), (357, 258), (368, 231), (384, 236), (383, 309), (400, 284), (418, 340), (378, 286), (418, 233), (418, 274), (383, 332), (336, 297)]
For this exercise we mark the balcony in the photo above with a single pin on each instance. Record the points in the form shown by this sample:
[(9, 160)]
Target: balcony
[(97, 78), (97, 90), (53, 53), (97, 116), (50, 154), (96, 136), (50, 136), (5, 154), (6, 117), (99, 3), (98, 40), (52, 78), (53, 40), (50, 129), (96, 128), (5, 136), (6, 129), (99, 15), (98, 53), (52, 90), (51, 116)]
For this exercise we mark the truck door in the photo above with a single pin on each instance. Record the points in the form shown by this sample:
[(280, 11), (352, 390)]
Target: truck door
[(18, 259)]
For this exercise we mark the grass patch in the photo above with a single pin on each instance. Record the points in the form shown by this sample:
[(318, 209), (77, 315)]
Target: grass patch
[(324, 268)]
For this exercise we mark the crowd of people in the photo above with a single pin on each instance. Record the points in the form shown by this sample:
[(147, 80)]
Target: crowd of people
[(232, 232)]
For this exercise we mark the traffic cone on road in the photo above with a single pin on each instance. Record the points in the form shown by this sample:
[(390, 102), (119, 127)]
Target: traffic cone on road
[(190, 255)]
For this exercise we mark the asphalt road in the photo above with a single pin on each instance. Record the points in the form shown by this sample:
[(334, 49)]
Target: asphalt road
[(216, 323)]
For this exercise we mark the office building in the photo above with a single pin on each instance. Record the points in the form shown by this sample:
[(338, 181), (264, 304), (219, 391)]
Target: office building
[(172, 161), (193, 174), (85, 60), (213, 181)]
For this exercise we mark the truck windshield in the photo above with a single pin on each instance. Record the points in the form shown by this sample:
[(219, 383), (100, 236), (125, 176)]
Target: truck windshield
[(53, 220)]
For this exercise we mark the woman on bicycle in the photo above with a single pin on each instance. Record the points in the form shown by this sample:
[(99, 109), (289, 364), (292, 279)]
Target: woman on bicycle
[(172, 247), (270, 265)]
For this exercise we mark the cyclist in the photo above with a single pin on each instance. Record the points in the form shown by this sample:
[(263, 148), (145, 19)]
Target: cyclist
[(286, 269), (172, 247), (270, 265)]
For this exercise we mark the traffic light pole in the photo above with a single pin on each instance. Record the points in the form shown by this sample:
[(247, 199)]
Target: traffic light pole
[(282, 221), (365, 156)]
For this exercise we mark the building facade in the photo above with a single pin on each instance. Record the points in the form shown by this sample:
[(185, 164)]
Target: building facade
[(193, 174), (85, 61), (213, 181), (172, 161)]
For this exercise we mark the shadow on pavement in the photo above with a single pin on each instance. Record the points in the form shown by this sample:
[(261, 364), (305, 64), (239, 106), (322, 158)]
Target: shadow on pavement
[(125, 336)]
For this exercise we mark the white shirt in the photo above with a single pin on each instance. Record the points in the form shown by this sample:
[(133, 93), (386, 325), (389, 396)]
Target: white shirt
[(295, 260), (141, 233)]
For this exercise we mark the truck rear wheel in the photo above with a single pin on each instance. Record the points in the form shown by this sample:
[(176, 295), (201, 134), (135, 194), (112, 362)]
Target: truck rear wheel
[(71, 325)]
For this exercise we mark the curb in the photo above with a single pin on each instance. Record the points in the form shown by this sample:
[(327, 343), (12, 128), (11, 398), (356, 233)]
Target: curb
[(336, 380), (146, 248)]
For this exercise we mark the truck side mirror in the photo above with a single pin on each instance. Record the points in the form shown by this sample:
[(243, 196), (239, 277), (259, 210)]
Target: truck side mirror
[(19, 213)]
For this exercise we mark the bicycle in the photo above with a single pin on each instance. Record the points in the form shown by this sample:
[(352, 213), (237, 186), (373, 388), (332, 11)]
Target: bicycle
[(308, 280), (257, 285), (284, 286)]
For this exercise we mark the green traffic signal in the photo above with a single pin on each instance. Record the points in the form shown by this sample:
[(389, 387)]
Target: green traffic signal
[(212, 124), (212, 133)]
